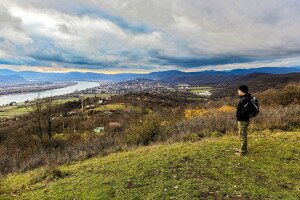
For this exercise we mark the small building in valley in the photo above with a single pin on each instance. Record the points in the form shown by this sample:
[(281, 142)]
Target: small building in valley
[(13, 103), (98, 129), (182, 86), (100, 101)]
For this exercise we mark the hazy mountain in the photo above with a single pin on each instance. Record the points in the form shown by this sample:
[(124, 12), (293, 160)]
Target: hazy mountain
[(269, 70), (257, 82), (200, 79), (11, 79), (165, 74), (173, 75)]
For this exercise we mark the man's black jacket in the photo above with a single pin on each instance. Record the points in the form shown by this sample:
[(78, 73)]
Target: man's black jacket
[(242, 113)]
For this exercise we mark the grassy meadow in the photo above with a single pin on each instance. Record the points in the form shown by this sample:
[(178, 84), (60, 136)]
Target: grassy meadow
[(22, 108), (14, 111), (115, 106), (207, 169), (200, 89)]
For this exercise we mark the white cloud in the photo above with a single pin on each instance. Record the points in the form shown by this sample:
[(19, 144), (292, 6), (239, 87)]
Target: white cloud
[(96, 38), (104, 31), (12, 34), (233, 27)]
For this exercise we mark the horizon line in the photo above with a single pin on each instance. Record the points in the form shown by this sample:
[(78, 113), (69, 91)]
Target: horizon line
[(128, 72)]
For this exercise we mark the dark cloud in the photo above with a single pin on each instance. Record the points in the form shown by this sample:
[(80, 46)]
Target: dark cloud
[(141, 34), (198, 62), (9, 21)]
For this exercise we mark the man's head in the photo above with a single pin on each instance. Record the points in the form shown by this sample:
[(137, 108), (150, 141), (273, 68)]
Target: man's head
[(242, 90)]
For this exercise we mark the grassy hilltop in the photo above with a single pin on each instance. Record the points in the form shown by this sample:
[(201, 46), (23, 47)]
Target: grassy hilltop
[(206, 169)]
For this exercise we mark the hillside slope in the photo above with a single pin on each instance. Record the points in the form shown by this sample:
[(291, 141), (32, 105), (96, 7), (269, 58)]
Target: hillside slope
[(12, 79), (261, 81), (199, 170)]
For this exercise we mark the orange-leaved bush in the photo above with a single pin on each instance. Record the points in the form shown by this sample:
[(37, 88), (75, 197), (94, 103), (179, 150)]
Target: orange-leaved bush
[(197, 112), (226, 109)]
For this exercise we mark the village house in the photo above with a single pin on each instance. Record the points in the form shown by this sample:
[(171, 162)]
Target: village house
[(98, 129), (13, 103)]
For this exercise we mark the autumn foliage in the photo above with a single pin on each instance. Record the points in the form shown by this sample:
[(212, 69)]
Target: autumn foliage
[(199, 112)]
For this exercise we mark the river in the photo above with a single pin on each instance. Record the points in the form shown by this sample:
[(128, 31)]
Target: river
[(22, 97)]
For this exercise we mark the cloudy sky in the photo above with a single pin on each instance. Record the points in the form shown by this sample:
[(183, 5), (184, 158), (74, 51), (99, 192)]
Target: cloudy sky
[(114, 36)]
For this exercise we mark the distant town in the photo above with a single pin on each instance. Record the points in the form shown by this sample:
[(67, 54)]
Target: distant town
[(34, 86)]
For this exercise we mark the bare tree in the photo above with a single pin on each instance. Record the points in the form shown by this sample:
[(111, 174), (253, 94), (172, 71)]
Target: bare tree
[(37, 117), (49, 116)]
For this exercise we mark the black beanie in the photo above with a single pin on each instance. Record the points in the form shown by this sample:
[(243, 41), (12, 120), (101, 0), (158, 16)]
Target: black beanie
[(243, 88)]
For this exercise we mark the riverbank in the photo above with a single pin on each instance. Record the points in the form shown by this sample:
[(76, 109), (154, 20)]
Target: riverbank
[(19, 98), (32, 87)]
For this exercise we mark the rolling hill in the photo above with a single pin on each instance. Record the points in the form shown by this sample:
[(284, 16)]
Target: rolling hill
[(172, 76), (206, 169), (11, 79), (256, 82)]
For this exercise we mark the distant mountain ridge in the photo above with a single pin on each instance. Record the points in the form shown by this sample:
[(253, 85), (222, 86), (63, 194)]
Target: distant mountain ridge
[(162, 75), (11, 79), (257, 82)]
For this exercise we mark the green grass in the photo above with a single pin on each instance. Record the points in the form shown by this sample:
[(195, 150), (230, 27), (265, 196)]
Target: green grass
[(13, 111), (115, 106), (67, 99), (200, 89), (22, 108), (97, 95), (207, 169)]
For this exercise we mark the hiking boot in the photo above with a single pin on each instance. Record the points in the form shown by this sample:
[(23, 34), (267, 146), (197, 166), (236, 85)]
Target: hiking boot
[(239, 153)]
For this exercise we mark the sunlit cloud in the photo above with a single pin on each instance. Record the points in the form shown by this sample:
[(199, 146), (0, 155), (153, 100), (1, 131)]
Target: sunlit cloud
[(143, 36)]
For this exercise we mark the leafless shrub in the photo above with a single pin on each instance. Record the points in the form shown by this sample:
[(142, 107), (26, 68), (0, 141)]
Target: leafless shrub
[(215, 124), (290, 94), (24, 145)]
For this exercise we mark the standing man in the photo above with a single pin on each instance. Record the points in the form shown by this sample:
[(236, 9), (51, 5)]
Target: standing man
[(243, 117)]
